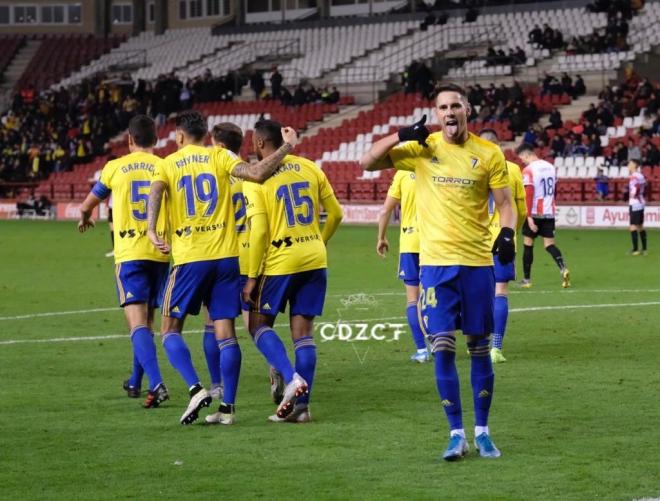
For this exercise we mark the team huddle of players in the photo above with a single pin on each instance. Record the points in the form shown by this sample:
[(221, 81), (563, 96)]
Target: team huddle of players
[(196, 208), (203, 228)]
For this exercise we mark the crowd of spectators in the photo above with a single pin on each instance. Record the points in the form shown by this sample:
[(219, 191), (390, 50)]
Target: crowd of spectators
[(418, 77), (565, 85), (616, 103), (53, 130), (546, 37), (503, 103), (304, 93), (498, 57)]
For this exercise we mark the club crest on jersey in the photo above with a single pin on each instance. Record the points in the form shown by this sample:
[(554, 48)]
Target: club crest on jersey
[(475, 162)]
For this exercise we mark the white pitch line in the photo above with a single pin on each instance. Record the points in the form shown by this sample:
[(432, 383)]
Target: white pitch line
[(240, 327), (59, 313), (361, 294)]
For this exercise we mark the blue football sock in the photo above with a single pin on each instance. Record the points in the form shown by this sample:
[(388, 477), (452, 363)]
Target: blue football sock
[(482, 378), (179, 356), (413, 322), (446, 379), (135, 380), (145, 350), (305, 363), (271, 347), (230, 363), (501, 317), (212, 354)]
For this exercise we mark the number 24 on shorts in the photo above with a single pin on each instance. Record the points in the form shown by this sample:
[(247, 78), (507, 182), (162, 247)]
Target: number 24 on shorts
[(427, 298)]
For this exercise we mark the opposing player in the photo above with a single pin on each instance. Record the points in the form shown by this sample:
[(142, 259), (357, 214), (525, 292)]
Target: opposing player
[(503, 273), (229, 136), (140, 270), (455, 172), (287, 242), (402, 191), (539, 178), (636, 203), (204, 251)]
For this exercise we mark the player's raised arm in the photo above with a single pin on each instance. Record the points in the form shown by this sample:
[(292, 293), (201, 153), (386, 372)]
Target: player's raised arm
[(153, 211), (377, 157), (263, 169), (382, 246)]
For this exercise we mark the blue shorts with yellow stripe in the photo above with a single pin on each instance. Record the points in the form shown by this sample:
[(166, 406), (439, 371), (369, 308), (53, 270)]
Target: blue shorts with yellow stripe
[(215, 283), (141, 281), (304, 292), (457, 298), (409, 268)]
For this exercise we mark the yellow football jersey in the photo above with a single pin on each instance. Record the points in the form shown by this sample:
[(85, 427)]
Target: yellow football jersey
[(128, 179), (240, 218), (518, 193), (291, 199), (452, 185), (201, 214), (403, 189)]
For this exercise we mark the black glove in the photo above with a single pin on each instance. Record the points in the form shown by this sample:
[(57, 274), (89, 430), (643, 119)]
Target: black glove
[(415, 132), (504, 245)]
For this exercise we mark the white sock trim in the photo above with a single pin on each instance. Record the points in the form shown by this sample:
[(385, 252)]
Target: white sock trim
[(457, 431), (478, 430)]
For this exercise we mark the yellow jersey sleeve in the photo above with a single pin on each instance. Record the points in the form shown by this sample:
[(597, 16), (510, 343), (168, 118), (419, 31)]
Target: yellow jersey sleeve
[(395, 187), (405, 156), (225, 160), (498, 171), (254, 199), (106, 176), (160, 173), (325, 188)]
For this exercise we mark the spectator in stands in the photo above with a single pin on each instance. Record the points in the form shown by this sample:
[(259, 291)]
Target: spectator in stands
[(557, 146), (651, 155), (555, 119), (530, 136), (595, 148), (276, 83), (579, 89), (634, 153), (299, 96), (602, 185), (26, 205), (536, 36), (257, 84)]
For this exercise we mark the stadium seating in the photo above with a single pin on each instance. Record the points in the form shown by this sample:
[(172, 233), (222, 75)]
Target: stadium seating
[(9, 45), (59, 55)]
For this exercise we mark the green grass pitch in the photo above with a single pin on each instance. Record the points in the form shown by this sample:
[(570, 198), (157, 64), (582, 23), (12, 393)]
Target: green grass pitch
[(575, 410)]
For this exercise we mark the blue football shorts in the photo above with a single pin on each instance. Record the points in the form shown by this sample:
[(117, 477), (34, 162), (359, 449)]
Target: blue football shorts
[(141, 281), (215, 283), (304, 292), (409, 268), (457, 298)]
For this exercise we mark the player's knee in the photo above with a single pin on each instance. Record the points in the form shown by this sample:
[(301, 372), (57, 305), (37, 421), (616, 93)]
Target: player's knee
[(479, 347), (445, 341)]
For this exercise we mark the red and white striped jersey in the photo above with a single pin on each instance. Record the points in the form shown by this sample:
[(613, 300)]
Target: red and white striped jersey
[(542, 176), (636, 185)]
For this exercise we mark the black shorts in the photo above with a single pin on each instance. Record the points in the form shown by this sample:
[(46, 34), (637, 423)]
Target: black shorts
[(109, 214), (636, 216), (546, 228)]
